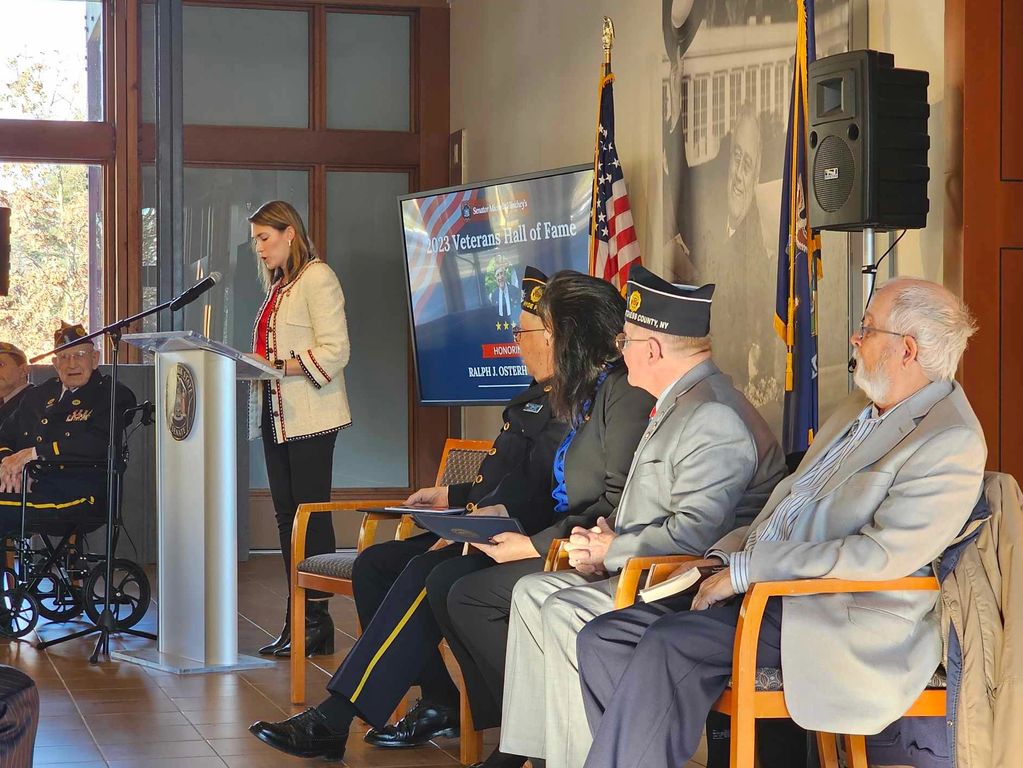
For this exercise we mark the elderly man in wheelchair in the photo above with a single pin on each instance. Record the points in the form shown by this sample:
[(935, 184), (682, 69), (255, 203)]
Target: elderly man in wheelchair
[(53, 482)]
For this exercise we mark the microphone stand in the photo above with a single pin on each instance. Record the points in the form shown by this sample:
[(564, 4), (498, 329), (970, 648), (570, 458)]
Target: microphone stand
[(107, 624)]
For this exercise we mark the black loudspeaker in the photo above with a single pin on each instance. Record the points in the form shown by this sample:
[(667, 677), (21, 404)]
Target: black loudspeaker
[(5, 249), (868, 143)]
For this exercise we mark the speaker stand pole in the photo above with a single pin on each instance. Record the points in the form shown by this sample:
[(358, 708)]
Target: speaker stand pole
[(869, 271)]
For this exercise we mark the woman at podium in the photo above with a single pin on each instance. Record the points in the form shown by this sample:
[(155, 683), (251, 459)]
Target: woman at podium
[(301, 329)]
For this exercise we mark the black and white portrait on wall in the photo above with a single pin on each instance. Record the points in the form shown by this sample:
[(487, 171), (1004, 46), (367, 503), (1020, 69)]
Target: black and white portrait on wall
[(725, 97)]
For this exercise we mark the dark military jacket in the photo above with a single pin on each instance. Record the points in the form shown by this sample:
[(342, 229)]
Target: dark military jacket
[(517, 472), (10, 406), (75, 426)]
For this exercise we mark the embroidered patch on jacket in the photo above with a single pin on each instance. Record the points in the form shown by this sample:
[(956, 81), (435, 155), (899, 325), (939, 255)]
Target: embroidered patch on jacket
[(79, 415), (533, 407)]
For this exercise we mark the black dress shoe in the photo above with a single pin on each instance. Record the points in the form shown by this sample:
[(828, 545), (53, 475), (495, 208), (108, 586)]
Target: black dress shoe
[(319, 632), (423, 722), (304, 735)]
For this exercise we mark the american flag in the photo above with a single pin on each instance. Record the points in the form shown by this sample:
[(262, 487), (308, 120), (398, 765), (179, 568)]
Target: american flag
[(613, 243), (440, 215)]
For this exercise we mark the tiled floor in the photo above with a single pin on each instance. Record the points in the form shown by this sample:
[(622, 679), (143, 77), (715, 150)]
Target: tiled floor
[(122, 715)]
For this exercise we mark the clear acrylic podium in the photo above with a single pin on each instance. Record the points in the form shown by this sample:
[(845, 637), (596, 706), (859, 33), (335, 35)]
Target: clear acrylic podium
[(196, 502)]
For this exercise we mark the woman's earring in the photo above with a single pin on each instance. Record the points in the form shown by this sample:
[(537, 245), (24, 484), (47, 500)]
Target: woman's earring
[(289, 243)]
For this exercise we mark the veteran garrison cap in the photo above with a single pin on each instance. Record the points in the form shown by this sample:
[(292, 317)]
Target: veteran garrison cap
[(678, 310), (68, 334), (534, 282), (7, 348)]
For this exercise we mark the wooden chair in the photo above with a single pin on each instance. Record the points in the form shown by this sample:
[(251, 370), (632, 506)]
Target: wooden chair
[(756, 693), (459, 463)]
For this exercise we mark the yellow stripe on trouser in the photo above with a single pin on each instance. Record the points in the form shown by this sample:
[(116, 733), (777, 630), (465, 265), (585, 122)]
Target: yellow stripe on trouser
[(50, 504), (387, 643)]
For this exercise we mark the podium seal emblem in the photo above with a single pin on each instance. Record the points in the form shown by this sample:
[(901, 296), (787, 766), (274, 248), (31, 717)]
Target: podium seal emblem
[(180, 401)]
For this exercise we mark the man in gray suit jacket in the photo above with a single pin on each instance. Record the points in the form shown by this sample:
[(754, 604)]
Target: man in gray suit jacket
[(883, 490), (706, 463)]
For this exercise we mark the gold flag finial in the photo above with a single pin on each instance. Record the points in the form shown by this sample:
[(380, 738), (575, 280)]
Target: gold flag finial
[(608, 37)]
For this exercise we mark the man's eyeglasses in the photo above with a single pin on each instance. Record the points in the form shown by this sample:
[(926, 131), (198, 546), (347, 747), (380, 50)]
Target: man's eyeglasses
[(67, 357), (517, 332), (621, 341), (866, 330)]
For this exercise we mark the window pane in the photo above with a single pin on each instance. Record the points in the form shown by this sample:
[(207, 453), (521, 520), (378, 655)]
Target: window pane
[(368, 71), (364, 247), (51, 60), (241, 66), (56, 251), (218, 202)]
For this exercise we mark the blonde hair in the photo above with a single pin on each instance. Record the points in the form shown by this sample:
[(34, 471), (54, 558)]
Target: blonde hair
[(280, 215)]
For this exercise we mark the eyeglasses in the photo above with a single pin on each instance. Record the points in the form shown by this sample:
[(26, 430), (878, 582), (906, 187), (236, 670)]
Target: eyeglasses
[(621, 341), (517, 332), (66, 357), (866, 330)]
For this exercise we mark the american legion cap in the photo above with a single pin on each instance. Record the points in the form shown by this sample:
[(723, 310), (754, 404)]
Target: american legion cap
[(7, 348), (68, 334), (534, 282), (678, 310)]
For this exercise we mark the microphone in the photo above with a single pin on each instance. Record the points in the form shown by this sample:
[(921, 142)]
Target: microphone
[(195, 291)]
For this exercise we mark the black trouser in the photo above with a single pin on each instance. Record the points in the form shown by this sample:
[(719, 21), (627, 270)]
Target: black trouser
[(651, 673), (51, 510), (476, 627), (376, 569), (398, 641), (300, 472)]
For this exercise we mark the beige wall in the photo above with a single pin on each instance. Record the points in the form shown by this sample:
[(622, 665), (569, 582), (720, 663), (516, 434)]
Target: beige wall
[(914, 30), (523, 87)]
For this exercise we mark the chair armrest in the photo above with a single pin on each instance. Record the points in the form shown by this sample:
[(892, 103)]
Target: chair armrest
[(751, 615), (557, 556), (88, 464), (659, 567)]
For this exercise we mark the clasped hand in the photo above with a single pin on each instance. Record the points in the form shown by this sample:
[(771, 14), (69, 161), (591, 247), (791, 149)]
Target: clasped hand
[(587, 547), (11, 469)]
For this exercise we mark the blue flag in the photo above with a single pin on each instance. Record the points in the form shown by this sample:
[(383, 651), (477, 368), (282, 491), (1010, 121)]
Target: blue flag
[(799, 258)]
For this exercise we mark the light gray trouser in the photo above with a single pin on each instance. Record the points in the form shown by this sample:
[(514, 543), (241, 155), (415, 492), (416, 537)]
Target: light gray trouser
[(543, 706)]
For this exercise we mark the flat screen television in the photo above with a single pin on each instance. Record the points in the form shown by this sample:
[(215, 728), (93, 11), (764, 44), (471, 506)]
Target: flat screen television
[(465, 251)]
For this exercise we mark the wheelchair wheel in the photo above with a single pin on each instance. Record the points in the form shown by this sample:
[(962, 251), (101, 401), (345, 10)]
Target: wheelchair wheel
[(58, 600), (8, 578), (19, 612), (129, 593)]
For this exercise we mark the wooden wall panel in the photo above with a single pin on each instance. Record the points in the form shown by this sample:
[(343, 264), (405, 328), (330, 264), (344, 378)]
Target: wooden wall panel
[(1011, 371), (1011, 92), (983, 225)]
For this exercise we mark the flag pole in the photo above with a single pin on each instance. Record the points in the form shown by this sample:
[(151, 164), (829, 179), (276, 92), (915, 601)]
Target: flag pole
[(607, 37)]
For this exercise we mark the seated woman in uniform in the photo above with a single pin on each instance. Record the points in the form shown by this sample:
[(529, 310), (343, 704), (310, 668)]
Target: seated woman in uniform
[(580, 318)]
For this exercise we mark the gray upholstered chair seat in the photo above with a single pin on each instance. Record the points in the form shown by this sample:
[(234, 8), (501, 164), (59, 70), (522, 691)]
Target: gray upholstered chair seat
[(336, 565), (770, 679)]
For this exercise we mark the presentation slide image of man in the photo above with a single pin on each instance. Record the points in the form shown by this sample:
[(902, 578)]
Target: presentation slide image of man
[(503, 288)]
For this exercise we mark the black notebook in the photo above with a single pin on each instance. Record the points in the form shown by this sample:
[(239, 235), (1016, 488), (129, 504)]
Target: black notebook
[(473, 529)]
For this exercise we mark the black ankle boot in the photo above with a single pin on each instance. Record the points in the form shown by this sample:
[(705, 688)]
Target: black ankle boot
[(283, 639), (319, 631)]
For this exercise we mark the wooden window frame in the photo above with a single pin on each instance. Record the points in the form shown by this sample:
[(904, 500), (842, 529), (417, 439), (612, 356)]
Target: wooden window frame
[(121, 143)]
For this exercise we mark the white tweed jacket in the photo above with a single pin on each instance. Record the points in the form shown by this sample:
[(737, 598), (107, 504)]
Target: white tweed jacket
[(307, 323)]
